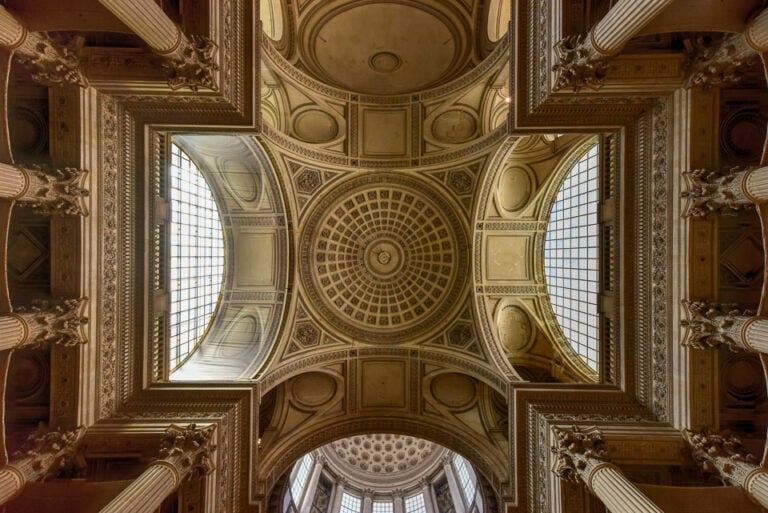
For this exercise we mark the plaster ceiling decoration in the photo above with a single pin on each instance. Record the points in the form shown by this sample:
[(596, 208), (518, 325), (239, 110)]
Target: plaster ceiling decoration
[(383, 258), (386, 47), (383, 460)]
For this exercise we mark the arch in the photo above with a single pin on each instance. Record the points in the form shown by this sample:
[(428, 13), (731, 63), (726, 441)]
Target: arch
[(271, 16), (487, 462), (499, 15)]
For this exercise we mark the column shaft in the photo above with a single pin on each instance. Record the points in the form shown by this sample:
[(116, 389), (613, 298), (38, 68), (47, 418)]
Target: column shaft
[(757, 487), (13, 181), (13, 332), (623, 21), (309, 493), (12, 32), (398, 505), (617, 493), (11, 483), (757, 32), (755, 335), (755, 184), (453, 485), (147, 492), (148, 21)]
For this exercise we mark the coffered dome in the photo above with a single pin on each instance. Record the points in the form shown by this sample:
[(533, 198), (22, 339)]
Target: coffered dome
[(383, 257)]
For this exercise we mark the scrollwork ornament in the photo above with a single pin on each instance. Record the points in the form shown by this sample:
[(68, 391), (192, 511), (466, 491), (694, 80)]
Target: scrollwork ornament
[(193, 65), (578, 64)]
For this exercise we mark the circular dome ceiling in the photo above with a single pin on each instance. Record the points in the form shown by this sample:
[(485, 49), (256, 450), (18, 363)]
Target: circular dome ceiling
[(380, 47), (383, 459), (383, 258)]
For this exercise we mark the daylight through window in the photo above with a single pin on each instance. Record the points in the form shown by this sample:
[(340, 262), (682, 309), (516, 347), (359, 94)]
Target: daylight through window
[(571, 257), (197, 256)]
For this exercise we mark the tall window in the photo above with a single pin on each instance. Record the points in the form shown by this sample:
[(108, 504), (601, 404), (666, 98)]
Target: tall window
[(300, 478), (382, 507), (571, 257), (466, 478), (415, 504), (197, 256), (350, 503)]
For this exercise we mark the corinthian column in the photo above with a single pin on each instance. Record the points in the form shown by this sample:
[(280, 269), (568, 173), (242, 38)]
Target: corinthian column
[(188, 61), (48, 62), (723, 63), (583, 60), (725, 457), (711, 325), (580, 458), (46, 322), (43, 455), (185, 453), (49, 191)]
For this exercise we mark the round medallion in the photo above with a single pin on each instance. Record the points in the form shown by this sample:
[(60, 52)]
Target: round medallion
[(384, 258), (384, 62)]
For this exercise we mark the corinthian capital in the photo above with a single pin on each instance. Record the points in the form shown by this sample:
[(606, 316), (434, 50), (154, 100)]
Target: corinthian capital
[(722, 455), (579, 64), (54, 322), (712, 324), (711, 192), (576, 450), (189, 450), (50, 63), (55, 191), (717, 64), (47, 454), (192, 64)]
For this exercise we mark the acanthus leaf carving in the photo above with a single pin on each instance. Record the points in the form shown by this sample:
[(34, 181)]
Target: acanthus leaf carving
[(55, 322), (578, 64), (50, 63), (710, 325), (193, 64), (189, 449)]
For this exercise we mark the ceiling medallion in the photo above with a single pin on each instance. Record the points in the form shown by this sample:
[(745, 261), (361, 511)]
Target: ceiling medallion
[(384, 62), (383, 258)]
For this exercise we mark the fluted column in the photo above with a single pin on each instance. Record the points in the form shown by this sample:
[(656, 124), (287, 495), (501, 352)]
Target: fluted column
[(338, 492), (723, 63), (46, 322), (398, 502), (712, 324), (48, 62), (583, 60), (185, 453), (426, 489), (314, 478), (580, 458), (708, 192), (48, 191), (453, 483), (726, 457), (43, 455), (189, 61), (367, 505)]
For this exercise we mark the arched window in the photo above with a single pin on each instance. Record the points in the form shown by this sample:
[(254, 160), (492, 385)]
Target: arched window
[(571, 252), (196, 256)]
